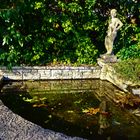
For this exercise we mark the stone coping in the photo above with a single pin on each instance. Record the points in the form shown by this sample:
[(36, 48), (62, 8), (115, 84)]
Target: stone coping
[(104, 72), (50, 67), (48, 73)]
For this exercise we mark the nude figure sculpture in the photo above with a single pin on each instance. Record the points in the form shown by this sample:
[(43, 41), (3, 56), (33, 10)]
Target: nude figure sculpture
[(114, 25)]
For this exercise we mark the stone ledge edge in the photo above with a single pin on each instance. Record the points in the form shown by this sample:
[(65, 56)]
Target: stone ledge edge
[(50, 73)]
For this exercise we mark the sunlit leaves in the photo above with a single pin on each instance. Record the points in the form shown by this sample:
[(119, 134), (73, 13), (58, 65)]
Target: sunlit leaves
[(66, 31), (51, 40), (5, 40), (90, 26), (90, 3), (67, 25), (62, 5), (38, 5), (74, 7), (86, 52), (28, 37)]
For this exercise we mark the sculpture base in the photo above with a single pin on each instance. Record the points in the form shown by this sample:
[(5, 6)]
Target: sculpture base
[(106, 58)]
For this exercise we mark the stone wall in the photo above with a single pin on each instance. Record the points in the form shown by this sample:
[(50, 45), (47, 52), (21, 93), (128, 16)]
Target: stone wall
[(104, 72), (108, 73), (50, 73)]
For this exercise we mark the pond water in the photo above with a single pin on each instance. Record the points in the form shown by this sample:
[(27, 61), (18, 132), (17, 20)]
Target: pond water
[(74, 107)]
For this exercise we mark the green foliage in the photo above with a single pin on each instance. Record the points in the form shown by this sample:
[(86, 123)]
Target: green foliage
[(132, 52), (41, 32), (86, 52), (129, 69), (130, 42)]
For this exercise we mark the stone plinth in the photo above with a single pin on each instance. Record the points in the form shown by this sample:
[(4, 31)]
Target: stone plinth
[(105, 62), (105, 58)]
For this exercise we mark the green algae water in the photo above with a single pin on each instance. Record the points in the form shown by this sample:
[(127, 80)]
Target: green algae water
[(82, 108)]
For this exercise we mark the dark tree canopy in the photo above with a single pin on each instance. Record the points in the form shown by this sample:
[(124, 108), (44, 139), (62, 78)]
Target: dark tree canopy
[(37, 32)]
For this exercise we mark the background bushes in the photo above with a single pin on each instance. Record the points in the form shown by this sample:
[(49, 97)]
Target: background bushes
[(36, 32)]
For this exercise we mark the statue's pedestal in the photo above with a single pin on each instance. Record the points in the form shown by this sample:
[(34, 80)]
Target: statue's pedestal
[(105, 58), (105, 62)]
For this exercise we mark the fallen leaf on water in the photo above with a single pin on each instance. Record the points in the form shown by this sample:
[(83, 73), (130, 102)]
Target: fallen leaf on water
[(70, 111), (35, 105), (50, 116), (136, 112), (39, 105), (91, 111), (85, 110)]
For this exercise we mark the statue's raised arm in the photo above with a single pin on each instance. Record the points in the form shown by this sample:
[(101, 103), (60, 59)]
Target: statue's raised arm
[(114, 25)]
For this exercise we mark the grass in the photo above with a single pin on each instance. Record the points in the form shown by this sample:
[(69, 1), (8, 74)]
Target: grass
[(129, 69)]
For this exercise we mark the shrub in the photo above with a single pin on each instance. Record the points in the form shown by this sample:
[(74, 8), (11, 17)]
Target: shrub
[(129, 69)]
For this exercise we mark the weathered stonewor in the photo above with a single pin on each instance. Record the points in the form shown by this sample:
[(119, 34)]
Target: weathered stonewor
[(50, 73), (14, 127), (108, 73), (106, 58)]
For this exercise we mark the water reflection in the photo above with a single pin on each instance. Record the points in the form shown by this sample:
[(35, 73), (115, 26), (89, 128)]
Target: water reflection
[(75, 107), (104, 116)]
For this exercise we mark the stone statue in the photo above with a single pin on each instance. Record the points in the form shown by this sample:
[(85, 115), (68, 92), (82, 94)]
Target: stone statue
[(114, 25)]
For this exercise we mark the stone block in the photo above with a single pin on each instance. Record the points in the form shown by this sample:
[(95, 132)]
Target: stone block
[(56, 74), (67, 74)]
